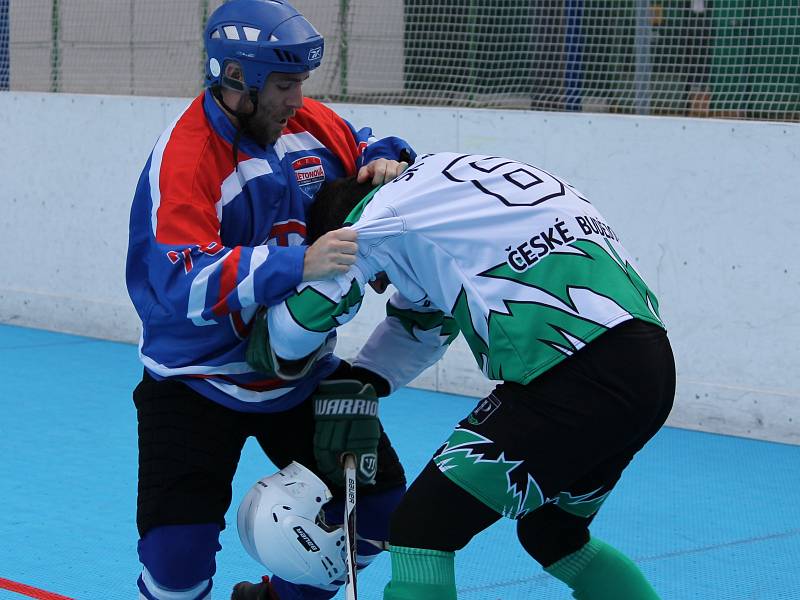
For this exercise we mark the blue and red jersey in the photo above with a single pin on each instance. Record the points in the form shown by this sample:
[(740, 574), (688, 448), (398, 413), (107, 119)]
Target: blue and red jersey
[(211, 241)]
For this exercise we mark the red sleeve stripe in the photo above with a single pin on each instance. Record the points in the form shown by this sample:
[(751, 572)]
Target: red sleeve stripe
[(228, 280), (240, 328), (199, 290)]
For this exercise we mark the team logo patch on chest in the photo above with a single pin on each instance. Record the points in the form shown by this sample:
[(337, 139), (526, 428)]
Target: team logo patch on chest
[(310, 174)]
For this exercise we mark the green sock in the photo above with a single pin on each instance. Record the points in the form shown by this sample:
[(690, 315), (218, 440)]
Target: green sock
[(599, 572), (419, 574)]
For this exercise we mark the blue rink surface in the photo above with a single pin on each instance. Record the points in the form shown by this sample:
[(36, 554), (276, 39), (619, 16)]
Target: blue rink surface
[(705, 516)]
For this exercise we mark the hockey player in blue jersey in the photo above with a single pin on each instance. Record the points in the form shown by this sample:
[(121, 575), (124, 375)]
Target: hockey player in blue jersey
[(553, 309), (217, 229)]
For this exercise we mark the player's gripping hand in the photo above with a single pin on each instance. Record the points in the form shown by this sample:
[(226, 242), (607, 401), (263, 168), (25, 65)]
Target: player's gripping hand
[(331, 255), (381, 170), (346, 414)]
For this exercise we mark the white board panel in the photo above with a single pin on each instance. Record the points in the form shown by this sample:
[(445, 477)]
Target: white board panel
[(709, 208)]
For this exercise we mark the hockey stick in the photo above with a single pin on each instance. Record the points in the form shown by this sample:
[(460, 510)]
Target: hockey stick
[(351, 591)]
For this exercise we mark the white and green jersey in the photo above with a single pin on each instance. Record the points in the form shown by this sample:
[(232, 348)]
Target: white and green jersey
[(514, 258)]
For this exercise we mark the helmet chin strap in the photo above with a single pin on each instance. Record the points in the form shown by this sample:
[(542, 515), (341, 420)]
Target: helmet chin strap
[(241, 117)]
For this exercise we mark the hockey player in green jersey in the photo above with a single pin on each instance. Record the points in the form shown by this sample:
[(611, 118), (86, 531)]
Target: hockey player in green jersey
[(552, 307)]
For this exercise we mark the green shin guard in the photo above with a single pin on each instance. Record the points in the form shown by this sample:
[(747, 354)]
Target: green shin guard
[(599, 572), (419, 574)]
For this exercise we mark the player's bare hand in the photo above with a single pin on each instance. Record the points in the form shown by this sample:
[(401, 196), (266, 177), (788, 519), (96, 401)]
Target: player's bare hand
[(381, 170), (331, 255)]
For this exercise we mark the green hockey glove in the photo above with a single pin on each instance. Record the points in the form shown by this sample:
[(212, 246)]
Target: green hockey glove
[(259, 354), (346, 414), (262, 358)]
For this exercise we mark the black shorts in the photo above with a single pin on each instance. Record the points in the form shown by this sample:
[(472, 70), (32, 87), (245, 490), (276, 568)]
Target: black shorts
[(566, 437), (189, 448)]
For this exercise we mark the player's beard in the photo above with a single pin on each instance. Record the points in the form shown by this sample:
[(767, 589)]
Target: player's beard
[(265, 127)]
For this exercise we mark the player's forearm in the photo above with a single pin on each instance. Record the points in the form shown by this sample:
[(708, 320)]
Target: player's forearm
[(208, 283), (302, 322), (291, 341), (397, 356)]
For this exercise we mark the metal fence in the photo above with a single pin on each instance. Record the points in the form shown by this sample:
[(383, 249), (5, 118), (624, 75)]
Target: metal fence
[(723, 58)]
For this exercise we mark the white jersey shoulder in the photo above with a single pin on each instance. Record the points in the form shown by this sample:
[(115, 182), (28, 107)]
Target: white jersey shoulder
[(526, 265)]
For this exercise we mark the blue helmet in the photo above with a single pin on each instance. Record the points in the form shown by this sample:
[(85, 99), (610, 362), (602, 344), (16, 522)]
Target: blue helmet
[(263, 36)]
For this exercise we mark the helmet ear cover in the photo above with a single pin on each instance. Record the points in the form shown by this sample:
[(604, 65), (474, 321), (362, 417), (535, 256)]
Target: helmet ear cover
[(280, 526), (230, 82), (236, 84)]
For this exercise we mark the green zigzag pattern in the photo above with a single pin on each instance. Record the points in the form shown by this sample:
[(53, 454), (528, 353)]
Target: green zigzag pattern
[(316, 312), (425, 321), (462, 461), (593, 269)]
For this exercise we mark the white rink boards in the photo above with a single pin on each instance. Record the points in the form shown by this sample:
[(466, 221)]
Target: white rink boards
[(708, 207)]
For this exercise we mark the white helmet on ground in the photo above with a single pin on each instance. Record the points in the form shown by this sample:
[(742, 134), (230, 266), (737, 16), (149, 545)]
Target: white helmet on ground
[(280, 526)]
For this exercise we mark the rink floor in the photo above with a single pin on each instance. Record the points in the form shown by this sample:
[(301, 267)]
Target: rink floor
[(705, 516)]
